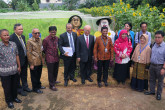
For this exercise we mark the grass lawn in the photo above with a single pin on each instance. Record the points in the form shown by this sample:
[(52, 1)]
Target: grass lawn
[(41, 24)]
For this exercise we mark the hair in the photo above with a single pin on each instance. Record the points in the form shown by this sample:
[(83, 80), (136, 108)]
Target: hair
[(33, 29), (16, 25), (103, 28), (2, 30), (68, 24), (143, 23), (52, 28), (129, 25), (160, 32)]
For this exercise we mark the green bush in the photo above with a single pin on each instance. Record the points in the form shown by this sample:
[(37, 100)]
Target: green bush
[(3, 4), (35, 6), (22, 6)]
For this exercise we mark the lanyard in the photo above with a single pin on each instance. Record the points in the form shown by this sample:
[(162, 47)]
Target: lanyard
[(143, 48), (104, 42)]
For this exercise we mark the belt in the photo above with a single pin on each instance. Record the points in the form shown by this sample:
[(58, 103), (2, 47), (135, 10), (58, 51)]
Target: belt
[(157, 64)]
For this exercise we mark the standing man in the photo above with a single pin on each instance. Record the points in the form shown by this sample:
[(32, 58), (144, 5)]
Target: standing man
[(34, 54), (84, 52), (103, 53), (143, 27), (9, 68), (68, 39), (50, 46), (157, 66), (19, 40)]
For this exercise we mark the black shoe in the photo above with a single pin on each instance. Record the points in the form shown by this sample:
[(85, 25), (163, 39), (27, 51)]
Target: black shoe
[(38, 91), (42, 87), (27, 90), (99, 85), (10, 105), (57, 82), (158, 97), (106, 84), (89, 79), (22, 93), (149, 93), (83, 82), (17, 100), (66, 83), (74, 80)]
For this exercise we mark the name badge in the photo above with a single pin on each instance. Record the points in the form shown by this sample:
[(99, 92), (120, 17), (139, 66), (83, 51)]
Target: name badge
[(138, 57), (106, 50)]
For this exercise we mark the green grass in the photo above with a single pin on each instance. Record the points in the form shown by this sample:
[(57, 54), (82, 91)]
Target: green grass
[(41, 24)]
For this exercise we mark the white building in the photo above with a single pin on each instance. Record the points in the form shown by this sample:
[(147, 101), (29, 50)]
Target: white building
[(51, 1)]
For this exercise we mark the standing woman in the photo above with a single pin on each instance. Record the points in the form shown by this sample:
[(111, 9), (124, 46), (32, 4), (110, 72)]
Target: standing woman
[(141, 60), (123, 49)]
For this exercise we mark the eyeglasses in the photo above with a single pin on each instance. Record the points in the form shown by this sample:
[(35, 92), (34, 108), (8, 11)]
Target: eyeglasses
[(158, 37), (37, 33)]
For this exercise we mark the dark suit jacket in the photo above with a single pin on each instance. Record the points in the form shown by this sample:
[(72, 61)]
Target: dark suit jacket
[(21, 53), (64, 42), (82, 51)]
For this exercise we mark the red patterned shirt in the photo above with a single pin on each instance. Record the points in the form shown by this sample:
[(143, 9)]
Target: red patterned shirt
[(50, 46)]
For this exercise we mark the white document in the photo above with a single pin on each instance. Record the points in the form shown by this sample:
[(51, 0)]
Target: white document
[(69, 50), (127, 59)]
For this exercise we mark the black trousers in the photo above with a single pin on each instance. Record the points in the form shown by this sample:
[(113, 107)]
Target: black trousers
[(103, 66), (23, 77), (52, 72), (85, 69), (155, 75), (9, 84), (69, 68), (36, 76)]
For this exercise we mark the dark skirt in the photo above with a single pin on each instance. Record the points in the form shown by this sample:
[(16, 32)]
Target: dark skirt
[(121, 72), (139, 79)]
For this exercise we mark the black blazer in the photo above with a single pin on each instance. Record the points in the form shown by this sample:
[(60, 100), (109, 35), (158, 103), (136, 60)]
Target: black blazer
[(64, 42), (82, 51), (21, 53)]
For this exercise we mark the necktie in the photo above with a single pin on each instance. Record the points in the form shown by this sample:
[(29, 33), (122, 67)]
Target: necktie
[(23, 45), (71, 43), (87, 42)]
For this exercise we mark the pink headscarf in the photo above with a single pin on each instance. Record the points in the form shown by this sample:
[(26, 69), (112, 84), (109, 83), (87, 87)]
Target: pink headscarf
[(122, 43)]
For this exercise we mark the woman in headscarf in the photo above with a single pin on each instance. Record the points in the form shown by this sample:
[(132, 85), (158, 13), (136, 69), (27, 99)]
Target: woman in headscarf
[(123, 49), (141, 60)]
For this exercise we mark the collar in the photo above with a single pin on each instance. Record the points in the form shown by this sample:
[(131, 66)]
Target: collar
[(142, 32), (69, 33), (105, 37), (35, 39), (86, 36), (52, 37), (17, 35), (2, 44), (162, 44)]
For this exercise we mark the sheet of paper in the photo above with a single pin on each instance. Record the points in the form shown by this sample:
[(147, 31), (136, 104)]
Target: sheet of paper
[(69, 50)]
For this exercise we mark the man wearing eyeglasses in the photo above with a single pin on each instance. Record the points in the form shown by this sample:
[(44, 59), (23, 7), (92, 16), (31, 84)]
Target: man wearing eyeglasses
[(34, 54), (19, 40), (157, 66)]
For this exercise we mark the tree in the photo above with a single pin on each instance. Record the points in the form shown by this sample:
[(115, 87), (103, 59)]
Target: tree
[(3, 4), (71, 4)]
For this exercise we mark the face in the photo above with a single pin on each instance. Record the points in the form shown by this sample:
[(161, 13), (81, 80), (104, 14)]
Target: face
[(52, 33), (144, 27), (36, 33), (69, 28), (5, 36), (87, 30), (75, 21), (142, 40), (104, 23), (19, 30), (124, 35), (127, 27), (104, 32), (159, 38)]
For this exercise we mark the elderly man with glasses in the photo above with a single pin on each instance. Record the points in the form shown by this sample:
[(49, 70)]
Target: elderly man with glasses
[(34, 54)]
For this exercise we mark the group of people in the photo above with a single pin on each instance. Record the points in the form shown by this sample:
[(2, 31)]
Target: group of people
[(16, 55)]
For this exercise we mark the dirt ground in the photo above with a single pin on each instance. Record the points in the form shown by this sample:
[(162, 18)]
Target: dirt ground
[(85, 97)]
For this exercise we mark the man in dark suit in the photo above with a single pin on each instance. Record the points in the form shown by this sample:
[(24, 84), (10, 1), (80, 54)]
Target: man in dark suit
[(84, 52), (68, 39), (19, 39)]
